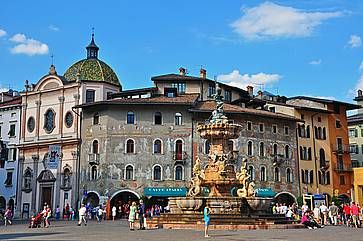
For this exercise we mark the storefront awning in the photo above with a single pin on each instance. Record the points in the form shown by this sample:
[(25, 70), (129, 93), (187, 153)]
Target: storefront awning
[(265, 192), (165, 191)]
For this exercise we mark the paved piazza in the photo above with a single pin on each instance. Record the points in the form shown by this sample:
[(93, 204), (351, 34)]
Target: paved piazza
[(119, 231)]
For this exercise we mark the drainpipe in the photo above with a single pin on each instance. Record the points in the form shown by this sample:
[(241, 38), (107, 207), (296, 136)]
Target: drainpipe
[(316, 173)]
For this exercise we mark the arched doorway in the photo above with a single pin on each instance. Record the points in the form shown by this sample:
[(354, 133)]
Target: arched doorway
[(92, 198), (285, 197), (122, 197), (11, 204)]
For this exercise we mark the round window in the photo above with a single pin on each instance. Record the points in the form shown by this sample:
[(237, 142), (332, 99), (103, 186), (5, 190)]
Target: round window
[(31, 124), (69, 119)]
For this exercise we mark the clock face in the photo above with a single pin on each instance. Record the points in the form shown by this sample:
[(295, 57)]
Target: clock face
[(31, 124), (69, 119)]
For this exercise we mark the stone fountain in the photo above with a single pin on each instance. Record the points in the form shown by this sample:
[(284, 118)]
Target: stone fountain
[(226, 188)]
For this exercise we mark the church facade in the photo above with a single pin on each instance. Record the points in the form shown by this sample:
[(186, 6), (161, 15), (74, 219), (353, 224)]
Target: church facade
[(50, 132)]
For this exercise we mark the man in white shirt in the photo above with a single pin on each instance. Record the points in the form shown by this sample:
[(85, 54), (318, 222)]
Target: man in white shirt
[(304, 208), (82, 215), (324, 213)]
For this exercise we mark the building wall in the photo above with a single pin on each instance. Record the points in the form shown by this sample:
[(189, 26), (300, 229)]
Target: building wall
[(355, 131), (9, 115), (358, 185)]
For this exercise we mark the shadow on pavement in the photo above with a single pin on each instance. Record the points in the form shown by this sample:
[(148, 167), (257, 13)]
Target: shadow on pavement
[(8, 236)]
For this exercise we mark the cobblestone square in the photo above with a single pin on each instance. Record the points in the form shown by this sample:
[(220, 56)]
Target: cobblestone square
[(118, 230)]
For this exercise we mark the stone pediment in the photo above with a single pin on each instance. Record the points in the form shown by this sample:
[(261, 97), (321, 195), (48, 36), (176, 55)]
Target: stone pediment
[(46, 176)]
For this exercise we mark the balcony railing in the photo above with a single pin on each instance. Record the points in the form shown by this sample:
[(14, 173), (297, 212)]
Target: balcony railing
[(341, 149), (343, 168), (94, 158)]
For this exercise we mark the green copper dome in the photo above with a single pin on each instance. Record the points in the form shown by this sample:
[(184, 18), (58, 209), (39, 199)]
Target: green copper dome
[(91, 68)]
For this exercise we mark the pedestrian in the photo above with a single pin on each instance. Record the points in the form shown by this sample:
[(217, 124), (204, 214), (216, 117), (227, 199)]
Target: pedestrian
[(316, 212), (67, 211), (8, 216), (304, 208), (82, 215), (132, 215), (355, 213), (99, 214), (333, 209), (141, 214), (47, 216), (114, 213), (57, 213), (346, 211), (309, 221), (324, 213), (206, 214)]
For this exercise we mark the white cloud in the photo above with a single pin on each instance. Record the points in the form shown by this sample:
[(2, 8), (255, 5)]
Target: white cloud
[(2, 32), (53, 28), (269, 20), (315, 62), (27, 46), (242, 81), (361, 66), (355, 41), (359, 85)]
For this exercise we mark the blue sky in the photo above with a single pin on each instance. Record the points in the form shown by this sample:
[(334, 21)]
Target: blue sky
[(301, 47)]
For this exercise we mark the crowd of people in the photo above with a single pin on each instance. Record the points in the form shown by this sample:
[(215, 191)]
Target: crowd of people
[(350, 215)]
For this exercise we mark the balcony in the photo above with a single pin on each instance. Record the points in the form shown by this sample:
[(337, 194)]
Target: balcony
[(343, 168), (324, 165), (278, 159), (180, 157), (94, 159), (341, 149)]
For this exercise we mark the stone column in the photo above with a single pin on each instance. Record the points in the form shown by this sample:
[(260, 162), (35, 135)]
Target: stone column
[(19, 191), (58, 181), (35, 182)]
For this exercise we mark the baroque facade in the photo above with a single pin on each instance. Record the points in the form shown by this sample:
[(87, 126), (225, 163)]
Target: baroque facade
[(50, 131), (143, 142)]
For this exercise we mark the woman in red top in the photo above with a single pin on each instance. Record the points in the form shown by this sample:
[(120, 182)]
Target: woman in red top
[(346, 212)]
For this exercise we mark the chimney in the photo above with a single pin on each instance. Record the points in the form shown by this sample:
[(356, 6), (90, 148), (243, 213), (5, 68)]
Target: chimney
[(250, 90), (203, 73), (182, 71), (359, 93)]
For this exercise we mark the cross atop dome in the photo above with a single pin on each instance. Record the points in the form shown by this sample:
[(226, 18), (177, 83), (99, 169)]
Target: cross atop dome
[(92, 48)]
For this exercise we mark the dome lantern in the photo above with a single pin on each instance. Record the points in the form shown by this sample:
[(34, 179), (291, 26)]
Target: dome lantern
[(92, 48)]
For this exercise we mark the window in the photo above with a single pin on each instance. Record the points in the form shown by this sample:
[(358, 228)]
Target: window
[(251, 172), (303, 180), (341, 180), (180, 86), (227, 96), (275, 149), (90, 96), (178, 119), (311, 176), (309, 153), (211, 90), (337, 124), (353, 148), (66, 178), (276, 174), (130, 117), (286, 130), (261, 127), (68, 119), (4, 152), (130, 146), (9, 179), (27, 179), (272, 109), (12, 130), (327, 178), (353, 133), (249, 148), (207, 147), (95, 147), (158, 118), (308, 132), (31, 124), (263, 174), (109, 95), (288, 175), (96, 119), (319, 119), (274, 129), (230, 145), (94, 174), (178, 150), (157, 147), (262, 149), (49, 121), (287, 151), (157, 173), (249, 125), (178, 173), (129, 173), (12, 154)]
